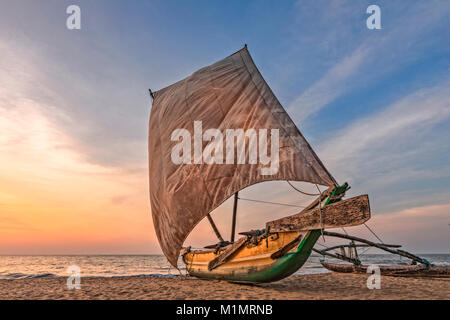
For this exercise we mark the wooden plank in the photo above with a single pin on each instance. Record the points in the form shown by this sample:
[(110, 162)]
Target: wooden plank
[(319, 199), (223, 257), (284, 249), (345, 213)]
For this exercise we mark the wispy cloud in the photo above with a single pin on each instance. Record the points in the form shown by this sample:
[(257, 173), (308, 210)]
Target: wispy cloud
[(329, 87), (89, 106), (50, 193), (393, 146), (387, 152), (401, 120), (378, 53), (74, 109), (429, 222)]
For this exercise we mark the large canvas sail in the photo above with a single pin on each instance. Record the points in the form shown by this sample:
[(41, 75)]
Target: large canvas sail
[(229, 94)]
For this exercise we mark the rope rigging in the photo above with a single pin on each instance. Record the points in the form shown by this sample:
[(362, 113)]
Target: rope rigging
[(303, 192), (269, 202), (320, 212), (373, 233), (286, 204)]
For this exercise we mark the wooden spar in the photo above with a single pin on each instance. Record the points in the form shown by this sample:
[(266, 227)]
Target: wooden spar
[(213, 225), (233, 223), (376, 245), (359, 246), (337, 256), (224, 256), (345, 213)]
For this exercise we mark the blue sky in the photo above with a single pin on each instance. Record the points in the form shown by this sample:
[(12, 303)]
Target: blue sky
[(375, 104)]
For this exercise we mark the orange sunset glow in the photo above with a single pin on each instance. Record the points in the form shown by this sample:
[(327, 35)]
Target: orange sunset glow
[(54, 201), (74, 115)]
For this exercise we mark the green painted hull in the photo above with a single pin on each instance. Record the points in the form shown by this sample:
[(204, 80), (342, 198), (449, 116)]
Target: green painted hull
[(280, 269)]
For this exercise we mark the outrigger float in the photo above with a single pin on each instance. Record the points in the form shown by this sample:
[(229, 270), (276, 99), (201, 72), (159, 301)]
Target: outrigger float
[(418, 267), (232, 95)]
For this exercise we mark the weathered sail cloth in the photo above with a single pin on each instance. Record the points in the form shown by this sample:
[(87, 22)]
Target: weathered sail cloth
[(229, 94)]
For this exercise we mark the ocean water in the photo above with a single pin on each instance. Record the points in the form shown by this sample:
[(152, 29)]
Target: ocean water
[(21, 267)]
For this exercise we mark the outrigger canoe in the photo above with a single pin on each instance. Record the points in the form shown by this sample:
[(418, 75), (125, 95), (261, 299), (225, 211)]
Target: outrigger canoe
[(266, 256), (418, 267), (255, 262), (194, 166)]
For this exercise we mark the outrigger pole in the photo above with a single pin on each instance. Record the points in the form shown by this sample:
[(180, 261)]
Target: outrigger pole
[(359, 246), (377, 245), (356, 261)]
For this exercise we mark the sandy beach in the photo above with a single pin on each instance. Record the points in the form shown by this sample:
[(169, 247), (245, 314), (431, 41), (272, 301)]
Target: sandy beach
[(318, 286)]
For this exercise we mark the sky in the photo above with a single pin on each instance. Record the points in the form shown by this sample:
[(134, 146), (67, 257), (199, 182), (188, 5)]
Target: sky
[(74, 108)]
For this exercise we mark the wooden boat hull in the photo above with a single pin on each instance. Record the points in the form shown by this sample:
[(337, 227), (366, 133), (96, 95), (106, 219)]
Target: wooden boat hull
[(441, 271), (253, 262)]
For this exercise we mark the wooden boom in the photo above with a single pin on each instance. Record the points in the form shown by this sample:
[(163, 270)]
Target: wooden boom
[(345, 213), (224, 256)]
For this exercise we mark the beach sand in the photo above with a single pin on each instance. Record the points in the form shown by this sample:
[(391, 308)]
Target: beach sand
[(317, 286)]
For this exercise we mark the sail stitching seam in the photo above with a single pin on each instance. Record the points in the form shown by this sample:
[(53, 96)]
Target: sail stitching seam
[(284, 112), (210, 79), (190, 116)]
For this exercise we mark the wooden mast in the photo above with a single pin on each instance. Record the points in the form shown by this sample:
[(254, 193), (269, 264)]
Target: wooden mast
[(233, 223)]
